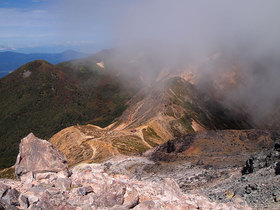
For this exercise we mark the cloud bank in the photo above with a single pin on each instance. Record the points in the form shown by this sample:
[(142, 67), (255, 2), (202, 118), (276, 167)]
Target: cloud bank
[(172, 34)]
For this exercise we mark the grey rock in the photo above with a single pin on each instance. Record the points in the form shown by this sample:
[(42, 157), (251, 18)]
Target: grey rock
[(38, 156), (277, 168), (52, 191), (63, 183), (43, 204), (243, 179), (86, 207), (2, 206), (149, 205), (200, 162), (11, 197), (277, 146), (275, 193), (3, 189), (88, 189), (113, 195), (253, 186), (248, 191), (23, 200), (81, 191), (239, 191)]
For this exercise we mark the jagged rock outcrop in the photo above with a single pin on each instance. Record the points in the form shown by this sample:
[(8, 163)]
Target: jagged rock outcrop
[(258, 182), (38, 156), (263, 159), (90, 187)]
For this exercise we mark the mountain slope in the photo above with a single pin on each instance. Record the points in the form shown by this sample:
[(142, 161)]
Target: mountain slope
[(10, 61), (169, 105), (163, 111), (42, 98), (141, 109)]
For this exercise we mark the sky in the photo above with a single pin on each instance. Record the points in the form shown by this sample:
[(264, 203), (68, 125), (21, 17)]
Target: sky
[(44, 26), (92, 25)]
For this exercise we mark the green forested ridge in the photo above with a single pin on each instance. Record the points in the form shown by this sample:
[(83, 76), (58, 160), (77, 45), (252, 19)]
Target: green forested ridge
[(42, 98)]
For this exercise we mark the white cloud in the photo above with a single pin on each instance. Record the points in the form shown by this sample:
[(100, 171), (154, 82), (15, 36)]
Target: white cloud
[(5, 48)]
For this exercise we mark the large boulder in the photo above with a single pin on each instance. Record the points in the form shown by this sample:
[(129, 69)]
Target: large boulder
[(38, 156)]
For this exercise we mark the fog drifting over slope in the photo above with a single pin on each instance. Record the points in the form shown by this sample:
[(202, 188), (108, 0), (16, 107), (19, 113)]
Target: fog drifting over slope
[(175, 33)]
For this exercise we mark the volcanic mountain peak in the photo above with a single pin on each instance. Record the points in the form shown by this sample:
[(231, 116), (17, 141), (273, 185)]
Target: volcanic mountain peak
[(169, 108), (36, 65)]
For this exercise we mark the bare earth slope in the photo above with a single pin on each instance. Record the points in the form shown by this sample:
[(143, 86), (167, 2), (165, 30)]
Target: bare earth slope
[(217, 148), (164, 111)]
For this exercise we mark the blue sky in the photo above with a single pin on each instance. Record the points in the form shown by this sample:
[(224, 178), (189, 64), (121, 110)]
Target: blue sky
[(22, 3), (46, 26), (92, 25)]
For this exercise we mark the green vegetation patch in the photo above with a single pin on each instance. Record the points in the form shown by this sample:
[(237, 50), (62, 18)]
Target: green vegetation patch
[(186, 121), (150, 135), (129, 145), (176, 133), (8, 173)]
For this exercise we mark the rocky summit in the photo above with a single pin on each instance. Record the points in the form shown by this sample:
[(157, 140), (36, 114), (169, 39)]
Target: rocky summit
[(49, 185)]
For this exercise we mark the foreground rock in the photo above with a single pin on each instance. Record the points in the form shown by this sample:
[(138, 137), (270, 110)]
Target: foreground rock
[(38, 156), (90, 186)]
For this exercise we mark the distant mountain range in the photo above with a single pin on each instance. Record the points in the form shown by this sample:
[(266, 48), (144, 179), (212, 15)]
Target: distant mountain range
[(10, 61)]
